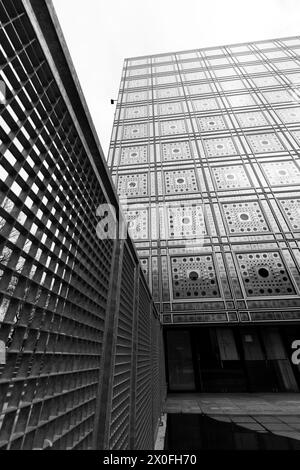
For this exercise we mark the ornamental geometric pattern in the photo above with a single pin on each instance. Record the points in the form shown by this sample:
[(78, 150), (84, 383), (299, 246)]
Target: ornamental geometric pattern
[(244, 217), (212, 123), (186, 222), (134, 155), (219, 147), (176, 151), (194, 276), (180, 181), (172, 127), (170, 108), (205, 104), (264, 274), (135, 131), (279, 96), (137, 223), (199, 89), (251, 119), (230, 177), (289, 114), (265, 81), (167, 93), (265, 143), (291, 208), (282, 173), (136, 96), (133, 185), (136, 112)]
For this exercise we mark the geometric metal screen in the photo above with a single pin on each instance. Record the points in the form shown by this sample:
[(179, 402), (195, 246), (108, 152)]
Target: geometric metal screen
[(205, 152), (55, 274)]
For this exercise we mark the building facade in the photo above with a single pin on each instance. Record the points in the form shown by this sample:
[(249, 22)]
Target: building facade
[(81, 362), (205, 157)]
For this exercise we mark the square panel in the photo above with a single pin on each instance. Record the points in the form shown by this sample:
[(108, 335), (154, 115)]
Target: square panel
[(199, 89), (251, 119), (186, 222), (289, 115), (134, 112), (194, 76), (175, 107), (286, 65), (137, 223), (213, 123), (229, 85), (142, 82), (225, 72), (244, 217), (219, 147), (191, 65), (218, 61), (296, 135), (230, 177), (165, 79), (180, 181), (294, 78), (246, 58), (173, 127), (278, 96), (291, 209), (264, 274), (241, 100), (166, 93), (205, 104), (262, 143), (137, 72), (134, 155), (135, 131), (282, 173), (133, 185), (275, 54), (136, 96), (259, 68), (265, 81), (194, 277), (176, 151)]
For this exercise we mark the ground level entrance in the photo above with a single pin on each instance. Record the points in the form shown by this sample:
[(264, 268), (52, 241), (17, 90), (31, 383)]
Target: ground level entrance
[(232, 359)]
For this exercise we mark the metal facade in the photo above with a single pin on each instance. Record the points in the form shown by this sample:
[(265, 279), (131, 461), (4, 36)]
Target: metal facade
[(83, 364), (205, 152)]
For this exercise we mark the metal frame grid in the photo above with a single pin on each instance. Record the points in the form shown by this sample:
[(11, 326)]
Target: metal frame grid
[(233, 112), (57, 278)]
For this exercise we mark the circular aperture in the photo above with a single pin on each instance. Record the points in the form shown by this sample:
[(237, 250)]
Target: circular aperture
[(263, 272), (180, 180), (244, 216), (193, 276), (186, 220)]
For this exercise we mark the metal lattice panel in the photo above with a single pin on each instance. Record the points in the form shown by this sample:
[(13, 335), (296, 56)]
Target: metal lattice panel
[(205, 104), (133, 185), (194, 277), (289, 114), (136, 96), (213, 123), (134, 155), (282, 173), (180, 181), (170, 108), (251, 119), (176, 151), (265, 81), (241, 100), (278, 96), (231, 177), (264, 274), (219, 147), (186, 222), (199, 89), (135, 131), (173, 127), (167, 93), (265, 143), (134, 112), (244, 217), (291, 208), (137, 223)]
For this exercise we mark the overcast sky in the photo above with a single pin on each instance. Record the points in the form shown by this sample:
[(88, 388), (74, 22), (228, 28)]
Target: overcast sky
[(101, 33)]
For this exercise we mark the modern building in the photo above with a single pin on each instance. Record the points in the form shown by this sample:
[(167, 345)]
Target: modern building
[(205, 157), (81, 362)]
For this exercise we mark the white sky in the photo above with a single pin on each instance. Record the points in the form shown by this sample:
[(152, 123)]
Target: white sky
[(101, 33)]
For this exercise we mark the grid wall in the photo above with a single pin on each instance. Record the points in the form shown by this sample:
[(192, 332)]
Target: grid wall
[(55, 274), (205, 151)]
